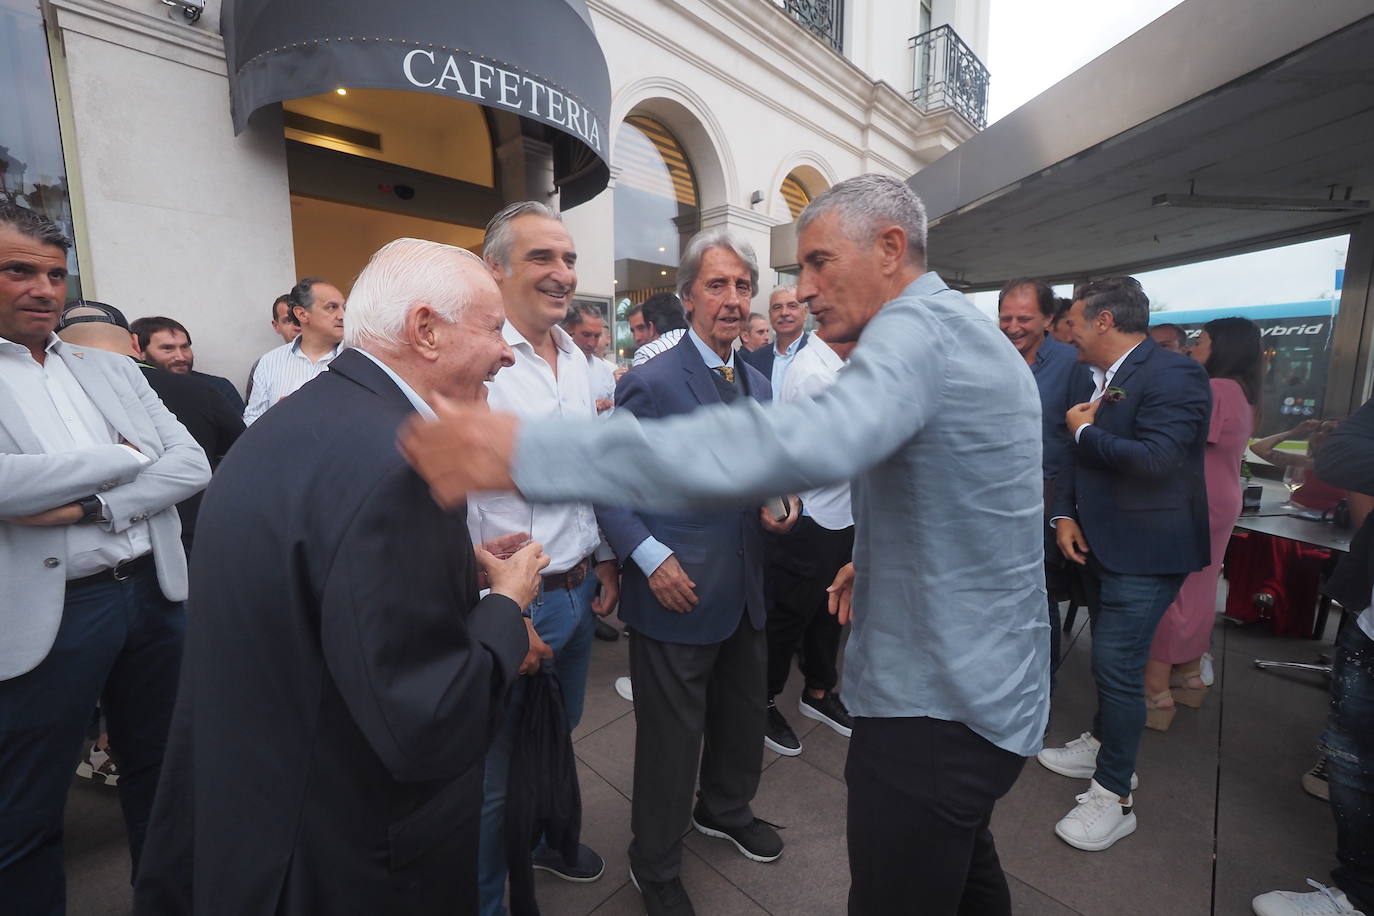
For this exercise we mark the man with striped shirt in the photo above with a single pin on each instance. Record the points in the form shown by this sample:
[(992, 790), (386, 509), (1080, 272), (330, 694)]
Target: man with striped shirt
[(657, 326), (317, 307)]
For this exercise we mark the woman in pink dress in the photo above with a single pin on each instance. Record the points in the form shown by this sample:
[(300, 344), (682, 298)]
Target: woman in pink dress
[(1231, 351)]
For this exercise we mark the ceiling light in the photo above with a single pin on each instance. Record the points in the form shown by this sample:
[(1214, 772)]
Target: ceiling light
[(1273, 204), (663, 273), (661, 248), (341, 91)]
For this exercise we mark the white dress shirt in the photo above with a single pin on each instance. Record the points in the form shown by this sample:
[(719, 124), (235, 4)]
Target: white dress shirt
[(64, 419), (280, 372), (1103, 380), (601, 378), (660, 344), (813, 370), (530, 390)]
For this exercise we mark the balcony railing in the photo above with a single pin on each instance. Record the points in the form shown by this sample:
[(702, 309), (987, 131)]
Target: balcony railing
[(822, 18), (948, 75)]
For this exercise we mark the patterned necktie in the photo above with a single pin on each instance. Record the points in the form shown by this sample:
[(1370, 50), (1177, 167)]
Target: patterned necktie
[(727, 372)]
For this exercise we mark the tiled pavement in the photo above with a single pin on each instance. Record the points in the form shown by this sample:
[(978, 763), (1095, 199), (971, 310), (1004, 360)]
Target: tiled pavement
[(1222, 816)]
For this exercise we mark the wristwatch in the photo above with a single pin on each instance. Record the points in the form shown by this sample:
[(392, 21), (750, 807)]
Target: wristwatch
[(92, 509)]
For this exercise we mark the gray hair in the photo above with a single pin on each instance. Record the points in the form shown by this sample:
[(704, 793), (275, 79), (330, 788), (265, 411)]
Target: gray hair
[(1122, 296), (496, 245), (690, 267), (868, 204), (402, 273), (782, 289)]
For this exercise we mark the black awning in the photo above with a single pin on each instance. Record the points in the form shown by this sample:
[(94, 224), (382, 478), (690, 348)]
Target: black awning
[(536, 58)]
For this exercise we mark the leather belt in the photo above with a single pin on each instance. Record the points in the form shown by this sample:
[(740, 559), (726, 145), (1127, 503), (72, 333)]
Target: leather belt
[(125, 570), (570, 579)]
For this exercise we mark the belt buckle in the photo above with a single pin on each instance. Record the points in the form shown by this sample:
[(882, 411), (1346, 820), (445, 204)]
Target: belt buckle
[(117, 573)]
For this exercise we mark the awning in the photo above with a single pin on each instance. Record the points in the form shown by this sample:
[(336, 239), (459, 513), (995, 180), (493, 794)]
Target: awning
[(536, 58)]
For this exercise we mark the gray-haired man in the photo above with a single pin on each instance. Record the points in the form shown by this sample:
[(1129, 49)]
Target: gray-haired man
[(947, 667)]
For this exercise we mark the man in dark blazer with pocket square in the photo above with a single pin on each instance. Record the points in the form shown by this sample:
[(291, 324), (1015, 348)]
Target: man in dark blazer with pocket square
[(342, 678), (692, 592), (1132, 508)]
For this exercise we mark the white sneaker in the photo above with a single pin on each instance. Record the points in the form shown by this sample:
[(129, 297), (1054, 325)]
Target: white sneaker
[(1327, 901), (1077, 759), (1205, 672), (1099, 820), (625, 689)]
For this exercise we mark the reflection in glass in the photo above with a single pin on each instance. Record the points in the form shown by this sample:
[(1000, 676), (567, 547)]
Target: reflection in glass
[(32, 171), (656, 212)]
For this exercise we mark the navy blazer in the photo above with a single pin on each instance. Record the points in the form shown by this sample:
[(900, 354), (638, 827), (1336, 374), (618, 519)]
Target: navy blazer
[(762, 359), (1136, 485), (720, 550)]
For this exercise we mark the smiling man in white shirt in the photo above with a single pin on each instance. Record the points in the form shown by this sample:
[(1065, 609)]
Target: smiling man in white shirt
[(532, 258)]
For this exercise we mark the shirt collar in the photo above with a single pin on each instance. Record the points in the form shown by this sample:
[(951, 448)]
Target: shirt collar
[(709, 356), (791, 348), (422, 408), (55, 344), (561, 338), (295, 346)]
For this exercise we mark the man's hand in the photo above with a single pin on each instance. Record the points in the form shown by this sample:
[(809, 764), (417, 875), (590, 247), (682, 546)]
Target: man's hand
[(841, 601), (620, 373), (468, 448), (69, 514), (539, 650), (1071, 542), (784, 525), (1304, 429), (1080, 414), (605, 602), (604, 404), (671, 586), (500, 547), (518, 577)]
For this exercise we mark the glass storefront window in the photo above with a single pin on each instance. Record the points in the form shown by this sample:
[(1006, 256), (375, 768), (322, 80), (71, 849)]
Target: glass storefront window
[(657, 211), (32, 171)]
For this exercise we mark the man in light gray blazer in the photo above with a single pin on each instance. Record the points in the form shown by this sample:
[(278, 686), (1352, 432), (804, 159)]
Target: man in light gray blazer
[(91, 468), (937, 419)]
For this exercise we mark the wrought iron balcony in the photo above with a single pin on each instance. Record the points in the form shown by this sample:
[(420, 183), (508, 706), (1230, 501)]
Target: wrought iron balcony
[(948, 75), (822, 18)]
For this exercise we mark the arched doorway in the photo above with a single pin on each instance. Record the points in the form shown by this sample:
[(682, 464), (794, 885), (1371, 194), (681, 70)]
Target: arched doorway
[(657, 210)]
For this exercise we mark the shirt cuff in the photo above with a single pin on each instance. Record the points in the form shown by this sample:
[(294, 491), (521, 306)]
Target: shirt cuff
[(1055, 519), (1079, 432), (650, 554)]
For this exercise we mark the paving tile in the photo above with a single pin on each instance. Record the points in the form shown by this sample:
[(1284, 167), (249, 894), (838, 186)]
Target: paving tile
[(605, 828), (712, 894), (610, 753), (1027, 901)]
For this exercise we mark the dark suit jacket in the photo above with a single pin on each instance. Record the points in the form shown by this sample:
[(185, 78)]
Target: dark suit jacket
[(207, 416), (1346, 460), (341, 679), (762, 359), (1136, 484), (224, 387), (721, 551)]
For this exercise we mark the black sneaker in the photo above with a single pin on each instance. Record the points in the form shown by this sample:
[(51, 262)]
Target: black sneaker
[(778, 735), (757, 840), (663, 898), (606, 632), (588, 867), (828, 710)]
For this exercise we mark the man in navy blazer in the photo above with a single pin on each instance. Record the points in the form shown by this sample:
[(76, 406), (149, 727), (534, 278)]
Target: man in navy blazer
[(693, 595), (1132, 508)]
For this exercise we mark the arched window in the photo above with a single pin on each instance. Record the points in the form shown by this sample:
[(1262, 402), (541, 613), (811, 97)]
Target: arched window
[(795, 195), (657, 210)]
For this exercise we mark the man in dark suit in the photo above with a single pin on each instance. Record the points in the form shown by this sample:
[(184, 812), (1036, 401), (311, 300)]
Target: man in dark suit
[(693, 595), (343, 680), (787, 315), (1131, 507)]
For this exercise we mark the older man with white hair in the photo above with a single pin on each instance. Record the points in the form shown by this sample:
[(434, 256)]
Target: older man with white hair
[(336, 620)]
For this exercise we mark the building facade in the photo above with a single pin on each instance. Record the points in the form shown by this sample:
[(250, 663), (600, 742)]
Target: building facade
[(723, 113)]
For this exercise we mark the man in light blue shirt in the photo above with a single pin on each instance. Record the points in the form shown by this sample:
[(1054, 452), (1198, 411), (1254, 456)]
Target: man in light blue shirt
[(947, 667), (787, 315)]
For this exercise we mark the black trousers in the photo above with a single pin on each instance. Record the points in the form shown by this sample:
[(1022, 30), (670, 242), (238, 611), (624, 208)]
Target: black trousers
[(693, 702), (921, 793), (801, 566)]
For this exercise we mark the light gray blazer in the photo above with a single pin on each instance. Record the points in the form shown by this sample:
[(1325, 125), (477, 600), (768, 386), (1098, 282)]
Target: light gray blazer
[(936, 421), (33, 560)]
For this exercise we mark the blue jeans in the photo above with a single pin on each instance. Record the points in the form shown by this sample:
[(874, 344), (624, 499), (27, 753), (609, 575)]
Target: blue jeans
[(1348, 744), (119, 643), (1125, 610), (565, 621)]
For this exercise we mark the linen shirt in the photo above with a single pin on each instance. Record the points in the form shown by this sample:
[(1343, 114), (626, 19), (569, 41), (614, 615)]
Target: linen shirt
[(938, 421), (64, 418), (813, 370), (567, 530), (658, 345), (280, 372)]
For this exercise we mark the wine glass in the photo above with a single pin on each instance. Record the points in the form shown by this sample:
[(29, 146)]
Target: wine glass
[(501, 523), (1293, 478)]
